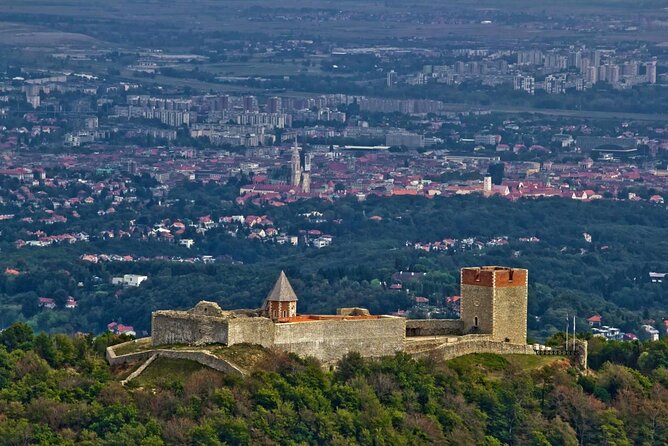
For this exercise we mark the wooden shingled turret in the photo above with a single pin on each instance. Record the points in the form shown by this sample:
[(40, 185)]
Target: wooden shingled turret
[(281, 302)]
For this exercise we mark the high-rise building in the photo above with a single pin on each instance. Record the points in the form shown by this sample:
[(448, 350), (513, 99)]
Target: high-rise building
[(530, 57), (525, 83), (494, 301), (630, 68), (597, 58), (554, 85), (612, 73), (250, 103), (224, 102), (592, 75), (273, 105), (555, 61), (602, 73), (392, 79), (650, 68)]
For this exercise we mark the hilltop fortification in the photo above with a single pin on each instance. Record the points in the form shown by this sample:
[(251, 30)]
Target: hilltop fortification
[(493, 319)]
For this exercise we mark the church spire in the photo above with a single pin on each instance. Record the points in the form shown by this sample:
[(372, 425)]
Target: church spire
[(296, 165)]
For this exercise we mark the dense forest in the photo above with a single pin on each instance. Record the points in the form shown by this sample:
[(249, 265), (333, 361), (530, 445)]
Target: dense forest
[(608, 275), (58, 390)]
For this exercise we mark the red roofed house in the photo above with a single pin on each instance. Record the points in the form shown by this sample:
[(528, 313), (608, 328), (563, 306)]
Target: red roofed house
[(658, 199), (595, 320), (47, 302), (126, 330)]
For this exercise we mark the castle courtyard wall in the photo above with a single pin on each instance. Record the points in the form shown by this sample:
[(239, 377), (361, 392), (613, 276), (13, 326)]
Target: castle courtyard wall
[(329, 340), (434, 327), (466, 345), (180, 327), (251, 330)]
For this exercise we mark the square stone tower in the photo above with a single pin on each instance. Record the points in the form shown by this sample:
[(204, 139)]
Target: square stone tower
[(494, 302)]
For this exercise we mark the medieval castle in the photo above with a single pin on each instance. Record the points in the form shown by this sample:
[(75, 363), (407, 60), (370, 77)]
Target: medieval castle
[(493, 319)]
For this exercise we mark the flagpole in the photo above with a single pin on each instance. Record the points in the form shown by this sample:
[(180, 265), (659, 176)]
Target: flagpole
[(567, 324), (573, 332)]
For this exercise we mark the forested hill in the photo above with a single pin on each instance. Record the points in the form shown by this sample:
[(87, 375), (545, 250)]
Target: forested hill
[(58, 390)]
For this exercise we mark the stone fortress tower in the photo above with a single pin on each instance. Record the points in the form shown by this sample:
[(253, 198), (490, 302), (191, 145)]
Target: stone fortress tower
[(494, 302)]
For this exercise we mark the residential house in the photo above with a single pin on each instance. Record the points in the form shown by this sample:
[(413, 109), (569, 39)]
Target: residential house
[(133, 280), (47, 302)]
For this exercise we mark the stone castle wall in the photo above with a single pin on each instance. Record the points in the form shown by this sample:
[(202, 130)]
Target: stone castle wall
[(475, 344), (329, 340), (181, 327), (202, 357), (251, 330), (326, 340), (434, 327)]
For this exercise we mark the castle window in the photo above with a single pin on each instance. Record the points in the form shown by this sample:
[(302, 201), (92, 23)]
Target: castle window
[(475, 321), (477, 276), (510, 275)]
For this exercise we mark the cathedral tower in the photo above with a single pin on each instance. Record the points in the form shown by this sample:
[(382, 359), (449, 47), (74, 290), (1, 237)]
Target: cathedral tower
[(296, 166)]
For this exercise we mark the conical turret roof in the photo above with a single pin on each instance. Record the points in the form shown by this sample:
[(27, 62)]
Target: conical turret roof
[(282, 291)]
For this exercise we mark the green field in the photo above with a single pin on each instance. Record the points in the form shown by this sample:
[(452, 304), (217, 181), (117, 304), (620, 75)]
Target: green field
[(352, 21)]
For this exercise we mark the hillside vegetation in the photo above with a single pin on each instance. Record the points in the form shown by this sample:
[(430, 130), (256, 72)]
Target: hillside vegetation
[(58, 390), (609, 276)]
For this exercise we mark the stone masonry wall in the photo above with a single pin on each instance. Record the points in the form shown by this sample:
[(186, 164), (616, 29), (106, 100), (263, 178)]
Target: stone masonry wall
[(510, 314), (179, 327), (202, 357), (252, 330), (477, 302), (470, 345), (330, 340), (434, 327)]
